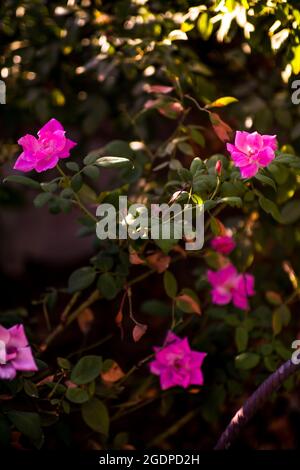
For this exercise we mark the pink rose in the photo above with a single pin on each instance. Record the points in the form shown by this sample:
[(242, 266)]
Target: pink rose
[(177, 364), (15, 354), (229, 285), (252, 151)]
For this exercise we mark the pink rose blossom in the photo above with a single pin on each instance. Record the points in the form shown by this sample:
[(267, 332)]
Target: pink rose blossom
[(223, 244), (15, 354), (228, 285), (43, 153), (177, 364), (252, 151)]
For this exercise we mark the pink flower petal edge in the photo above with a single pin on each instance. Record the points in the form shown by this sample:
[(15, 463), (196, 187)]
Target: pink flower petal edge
[(44, 152)]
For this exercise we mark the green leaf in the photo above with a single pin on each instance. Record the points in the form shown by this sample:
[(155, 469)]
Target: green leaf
[(92, 172), (185, 175), (208, 205), (113, 162), (170, 284), (232, 201), (196, 165), (269, 207), (81, 279), (276, 322), (67, 192), (86, 369), (285, 314), (95, 415), (76, 182), (49, 187), (41, 199), (197, 199), (241, 338), (203, 182), (31, 389), (92, 157), (107, 286), (247, 360), (197, 136), (22, 180), (186, 148), (290, 213), (270, 363), (165, 245), (28, 424), (288, 158), (63, 363), (77, 395), (266, 180), (266, 349), (280, 318), (119, 147), (73, 166)]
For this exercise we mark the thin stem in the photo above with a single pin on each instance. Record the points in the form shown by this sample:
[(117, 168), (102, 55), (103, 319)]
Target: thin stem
[(122, 413), (173, 324), (135, 367), (197, 104), (46, 315), (95, 295), (69, 306), (215, 212), (174, 428), (91, 346), (216, 188), (84, 209), (77, 198)]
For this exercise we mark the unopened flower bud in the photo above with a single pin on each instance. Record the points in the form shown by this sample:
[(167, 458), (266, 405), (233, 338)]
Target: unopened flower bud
[(218, 167)]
